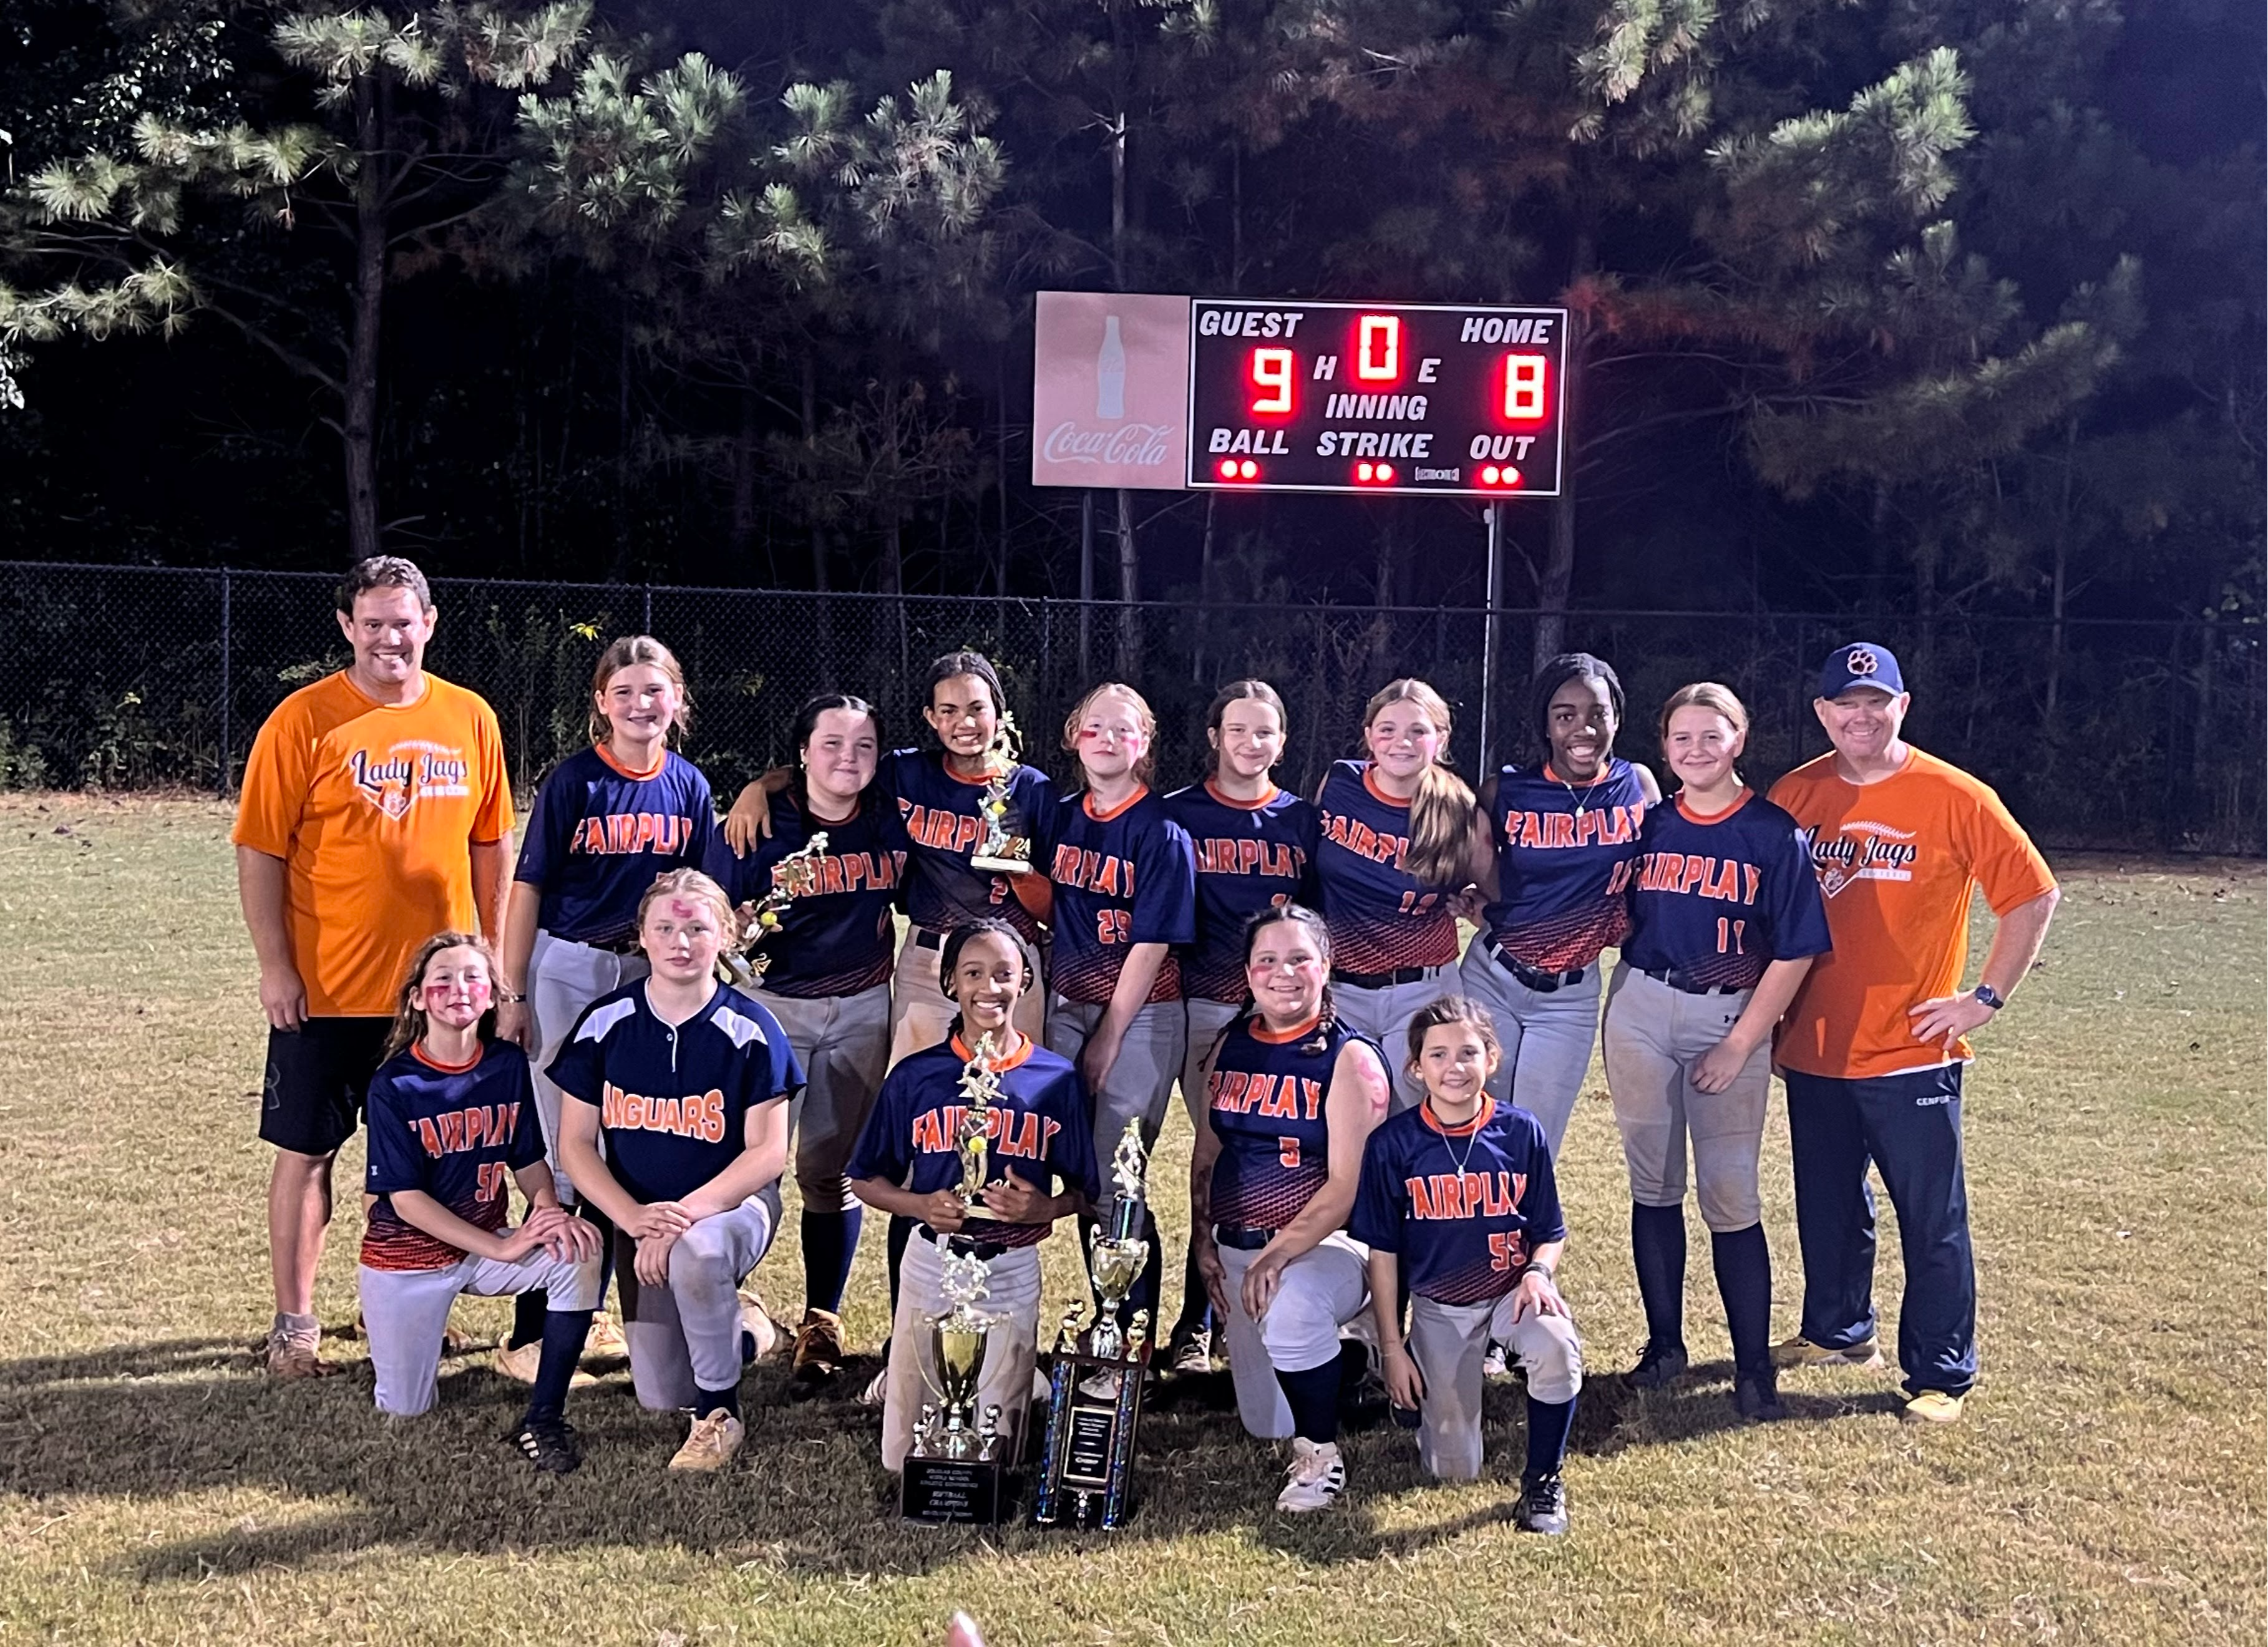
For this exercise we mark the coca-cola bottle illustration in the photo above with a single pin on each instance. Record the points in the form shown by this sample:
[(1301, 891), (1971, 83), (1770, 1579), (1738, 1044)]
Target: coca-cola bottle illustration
[(1110, 373)]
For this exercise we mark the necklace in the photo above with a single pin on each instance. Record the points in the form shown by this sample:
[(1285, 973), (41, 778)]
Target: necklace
[(1589, 789), (1472, 1140)]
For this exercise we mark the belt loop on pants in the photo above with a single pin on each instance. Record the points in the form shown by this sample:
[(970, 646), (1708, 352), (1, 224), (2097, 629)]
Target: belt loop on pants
[(1541, 983), (1381, 979), (1683, 983)]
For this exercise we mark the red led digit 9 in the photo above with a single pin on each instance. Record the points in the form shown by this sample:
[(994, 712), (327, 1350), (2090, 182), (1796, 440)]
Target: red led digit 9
[(1270, 369)]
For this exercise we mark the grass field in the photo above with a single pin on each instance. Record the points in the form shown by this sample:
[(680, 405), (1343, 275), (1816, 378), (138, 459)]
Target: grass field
[(2106, 1486)]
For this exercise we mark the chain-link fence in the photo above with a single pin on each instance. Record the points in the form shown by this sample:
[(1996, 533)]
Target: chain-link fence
[(2108, 733)]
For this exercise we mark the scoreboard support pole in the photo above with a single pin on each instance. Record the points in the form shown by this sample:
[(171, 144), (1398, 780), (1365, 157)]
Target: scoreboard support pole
[(1491, 639)]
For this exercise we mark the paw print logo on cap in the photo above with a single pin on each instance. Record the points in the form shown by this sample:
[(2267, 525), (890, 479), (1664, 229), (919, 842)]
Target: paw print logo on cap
[(1861, 661)]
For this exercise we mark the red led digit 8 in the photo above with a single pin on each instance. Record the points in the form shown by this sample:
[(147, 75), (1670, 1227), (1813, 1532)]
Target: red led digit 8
[(1523, 388), (1270, 369), (1378, 347)]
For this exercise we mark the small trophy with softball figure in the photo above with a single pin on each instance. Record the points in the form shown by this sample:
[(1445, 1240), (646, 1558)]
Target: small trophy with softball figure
[(793, 876), (998, 848), (1095, 1397), (972, 1140), (953, 1471)]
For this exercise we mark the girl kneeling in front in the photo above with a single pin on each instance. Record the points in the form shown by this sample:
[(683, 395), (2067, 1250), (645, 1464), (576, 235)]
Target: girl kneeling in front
[(687, 1082), (452, 1112), (1291, 1094), (908, 1164), (1459, 1198)]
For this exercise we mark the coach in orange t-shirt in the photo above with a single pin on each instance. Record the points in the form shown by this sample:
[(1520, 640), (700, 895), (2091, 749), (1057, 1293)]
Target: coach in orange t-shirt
[(375, 811), (1874, 1044)]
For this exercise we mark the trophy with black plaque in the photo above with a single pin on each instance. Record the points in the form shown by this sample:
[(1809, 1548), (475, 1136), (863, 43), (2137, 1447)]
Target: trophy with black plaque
[(953, 1471), (1094, 1399), (998, 848)]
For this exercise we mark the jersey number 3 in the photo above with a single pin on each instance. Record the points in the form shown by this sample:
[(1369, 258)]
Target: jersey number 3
[(1287, 1152)]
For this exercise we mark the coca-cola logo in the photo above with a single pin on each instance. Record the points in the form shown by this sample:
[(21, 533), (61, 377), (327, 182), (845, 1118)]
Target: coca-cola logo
[(1138, 445)]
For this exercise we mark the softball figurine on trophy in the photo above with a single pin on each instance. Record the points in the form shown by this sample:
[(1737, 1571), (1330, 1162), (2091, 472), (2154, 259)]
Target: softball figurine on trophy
[(953, 1471), (1095, 1397), (972, 1140), (1000, 849), (793, 876)]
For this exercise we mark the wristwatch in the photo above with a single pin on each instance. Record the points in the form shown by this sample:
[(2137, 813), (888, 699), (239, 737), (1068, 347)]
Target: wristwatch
[(1989, 997), (1544, 1270)]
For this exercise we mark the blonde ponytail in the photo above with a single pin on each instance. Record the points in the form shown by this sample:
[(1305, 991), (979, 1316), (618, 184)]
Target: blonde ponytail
[(1441, 811)]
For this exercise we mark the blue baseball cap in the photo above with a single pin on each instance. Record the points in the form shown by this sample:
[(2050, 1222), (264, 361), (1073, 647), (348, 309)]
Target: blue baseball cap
[(1860, 664)]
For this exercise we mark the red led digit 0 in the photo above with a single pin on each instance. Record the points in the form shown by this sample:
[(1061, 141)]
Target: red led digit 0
[(1523, 388), (1270, 369), (1378, 347)]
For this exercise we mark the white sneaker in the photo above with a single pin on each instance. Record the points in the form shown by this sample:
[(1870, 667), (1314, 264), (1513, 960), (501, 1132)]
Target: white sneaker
[(1495, 1364), (877, 1392), (1100, 1386), (1317, 1476), (757, 1321), (712, 1444)]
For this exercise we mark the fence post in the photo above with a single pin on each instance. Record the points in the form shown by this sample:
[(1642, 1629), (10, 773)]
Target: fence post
[(226, 682), (645, 612)]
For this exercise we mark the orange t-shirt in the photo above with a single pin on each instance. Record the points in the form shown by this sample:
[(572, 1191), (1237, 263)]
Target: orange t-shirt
[(372, 806), (1896, 862)]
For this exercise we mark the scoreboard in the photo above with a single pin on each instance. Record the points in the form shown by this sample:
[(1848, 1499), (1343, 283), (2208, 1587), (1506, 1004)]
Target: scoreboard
[(1452, 399)]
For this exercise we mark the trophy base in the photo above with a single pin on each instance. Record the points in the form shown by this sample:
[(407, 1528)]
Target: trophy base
[(941, 1492), (1002, 866)]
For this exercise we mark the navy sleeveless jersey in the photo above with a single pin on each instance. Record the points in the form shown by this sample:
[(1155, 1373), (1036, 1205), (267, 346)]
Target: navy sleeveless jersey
[(839, 939), (1040, 1125), (1463, 1224), (456, 1134), (1720, 898), (1122, 876), (1249, 855), (1265, 1100), (599, 835), (1380, 918), (674, 1103), (939, 815), (1561, 871)]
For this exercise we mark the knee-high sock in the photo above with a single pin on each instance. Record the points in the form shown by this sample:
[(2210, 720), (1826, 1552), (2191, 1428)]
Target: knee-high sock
[(1743, 1264), (1548, 1424), (1658, 1250), (563, 1333), (1314, 1398), (830, 1241)]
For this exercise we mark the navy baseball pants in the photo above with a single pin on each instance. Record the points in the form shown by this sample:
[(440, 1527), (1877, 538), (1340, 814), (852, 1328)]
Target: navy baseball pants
[(1910, 1126)]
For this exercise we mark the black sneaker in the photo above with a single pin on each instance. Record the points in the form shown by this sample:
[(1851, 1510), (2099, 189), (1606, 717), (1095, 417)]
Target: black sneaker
[(548, 1443), (1757, 1396), (1543, 1506), (1658, 1365)]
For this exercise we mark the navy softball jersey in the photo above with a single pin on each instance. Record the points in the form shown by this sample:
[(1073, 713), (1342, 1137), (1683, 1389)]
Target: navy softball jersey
[(1250, 855), (1038, 1126), (458, 1134), (938, 813), (674, 1102), (839, 939), (1122, 876), (1462, 1207), (1563, 856), (1265, 1100), (600, 835), (1717, 899), (1380, 918)]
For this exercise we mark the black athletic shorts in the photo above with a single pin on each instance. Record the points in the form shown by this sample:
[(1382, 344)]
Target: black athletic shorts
[(317, 1076)]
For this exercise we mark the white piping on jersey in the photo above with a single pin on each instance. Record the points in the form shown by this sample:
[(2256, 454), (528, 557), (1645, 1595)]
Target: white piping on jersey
[(597, 1025), (742, 1029)]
